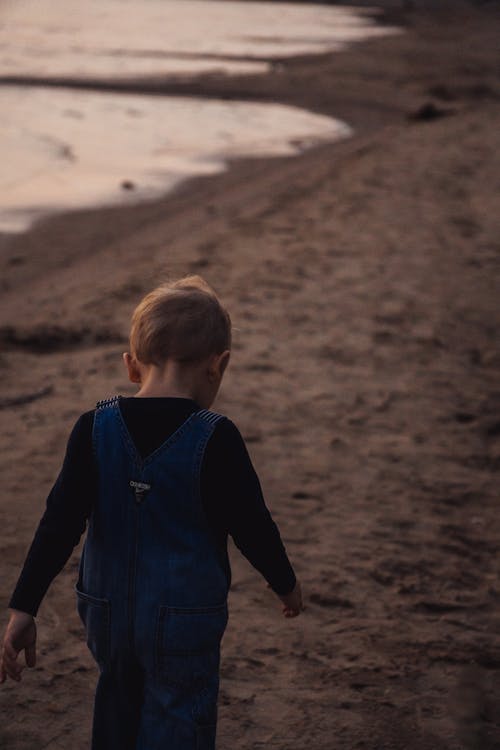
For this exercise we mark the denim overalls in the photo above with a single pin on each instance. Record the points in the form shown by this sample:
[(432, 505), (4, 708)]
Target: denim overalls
[(152, 590)]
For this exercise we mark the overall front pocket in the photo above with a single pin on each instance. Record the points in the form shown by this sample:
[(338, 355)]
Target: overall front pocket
[(188, 644), (95, 615)]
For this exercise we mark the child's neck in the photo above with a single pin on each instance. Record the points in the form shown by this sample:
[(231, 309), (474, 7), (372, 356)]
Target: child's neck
[(162, 393), (171, 381)]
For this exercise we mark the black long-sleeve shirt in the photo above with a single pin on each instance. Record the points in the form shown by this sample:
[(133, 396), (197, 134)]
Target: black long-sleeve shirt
[(230, 493)]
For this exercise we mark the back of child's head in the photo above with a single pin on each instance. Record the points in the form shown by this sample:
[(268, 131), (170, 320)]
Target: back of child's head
[(181, 320)]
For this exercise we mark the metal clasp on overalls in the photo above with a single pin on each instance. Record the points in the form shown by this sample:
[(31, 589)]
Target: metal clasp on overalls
[(140, 489)]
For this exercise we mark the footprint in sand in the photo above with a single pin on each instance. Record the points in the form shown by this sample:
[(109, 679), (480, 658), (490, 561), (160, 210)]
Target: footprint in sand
[(330, 601)]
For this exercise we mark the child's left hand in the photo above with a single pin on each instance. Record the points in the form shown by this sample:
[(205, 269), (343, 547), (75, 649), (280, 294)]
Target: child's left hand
[(20, 635), (292, 602)]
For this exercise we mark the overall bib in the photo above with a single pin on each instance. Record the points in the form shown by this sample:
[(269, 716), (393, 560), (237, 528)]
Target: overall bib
[(152, 590)]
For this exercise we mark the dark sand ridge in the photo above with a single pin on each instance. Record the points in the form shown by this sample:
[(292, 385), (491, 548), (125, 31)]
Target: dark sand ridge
[(363, 281)]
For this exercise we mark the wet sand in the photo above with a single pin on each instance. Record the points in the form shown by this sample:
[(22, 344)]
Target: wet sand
[(362, 278)]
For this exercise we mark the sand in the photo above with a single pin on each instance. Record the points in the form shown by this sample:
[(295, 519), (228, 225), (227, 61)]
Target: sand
[(363, 281)]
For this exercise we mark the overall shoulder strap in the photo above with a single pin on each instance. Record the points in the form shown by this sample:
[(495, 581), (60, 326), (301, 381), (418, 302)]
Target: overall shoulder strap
[(102, 413), (210, 416), (105, 402)]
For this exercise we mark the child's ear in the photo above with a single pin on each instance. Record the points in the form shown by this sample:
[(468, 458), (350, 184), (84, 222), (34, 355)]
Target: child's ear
[(134, 374), (224, 361), (217, 365)]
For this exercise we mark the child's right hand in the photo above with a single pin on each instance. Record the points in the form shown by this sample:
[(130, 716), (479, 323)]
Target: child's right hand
[(292, 602), (20, 635)]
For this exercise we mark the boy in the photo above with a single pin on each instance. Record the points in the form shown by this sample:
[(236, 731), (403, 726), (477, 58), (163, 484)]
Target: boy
[(161, 481)]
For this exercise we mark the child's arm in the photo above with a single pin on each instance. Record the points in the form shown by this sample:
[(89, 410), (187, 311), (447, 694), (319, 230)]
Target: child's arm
[(59, 531), (62, 524), (20, 635), (233, 500)]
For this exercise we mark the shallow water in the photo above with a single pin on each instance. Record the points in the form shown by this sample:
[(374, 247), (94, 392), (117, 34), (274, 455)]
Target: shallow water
[(64, 149), (129, 37)]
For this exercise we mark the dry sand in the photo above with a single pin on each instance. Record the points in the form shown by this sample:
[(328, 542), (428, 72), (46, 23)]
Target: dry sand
[(363, 282)]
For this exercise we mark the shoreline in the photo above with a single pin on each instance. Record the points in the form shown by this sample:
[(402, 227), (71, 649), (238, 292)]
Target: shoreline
[(362, 279), (213, 87), (365, 106)]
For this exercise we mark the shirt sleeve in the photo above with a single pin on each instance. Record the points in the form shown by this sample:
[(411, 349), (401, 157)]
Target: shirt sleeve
[(63, 522), (234, 500)]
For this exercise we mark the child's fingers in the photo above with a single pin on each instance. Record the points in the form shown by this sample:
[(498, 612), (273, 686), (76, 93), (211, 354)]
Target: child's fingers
[(293, 611), (9, 654), (30, 655), (9, 662)]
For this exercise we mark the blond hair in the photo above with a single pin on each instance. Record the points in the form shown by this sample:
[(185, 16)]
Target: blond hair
[(181, 320)]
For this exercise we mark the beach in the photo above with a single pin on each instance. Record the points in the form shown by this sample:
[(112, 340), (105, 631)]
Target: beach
[(362, 278)]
